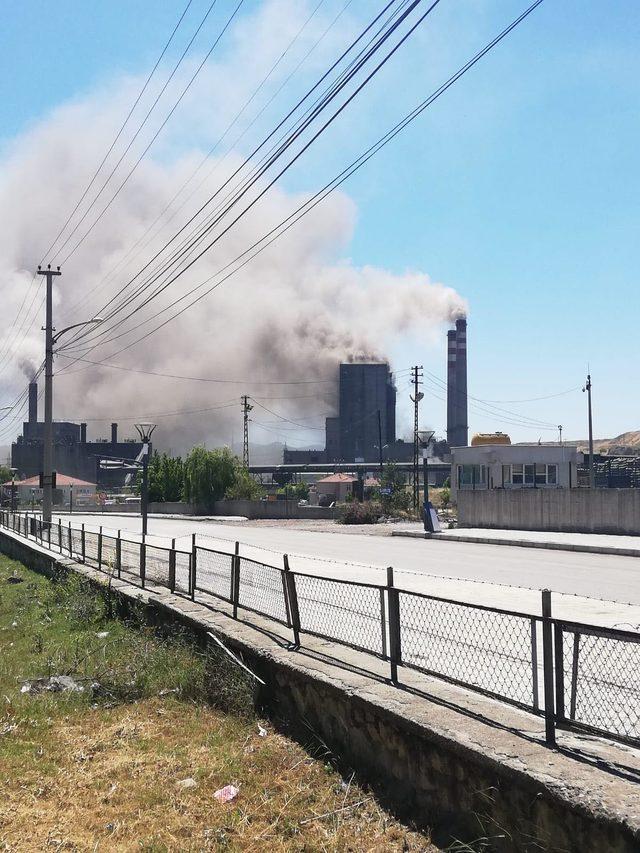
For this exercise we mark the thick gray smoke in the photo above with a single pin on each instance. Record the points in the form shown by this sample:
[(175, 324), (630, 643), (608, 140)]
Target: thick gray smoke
[(291, 315)]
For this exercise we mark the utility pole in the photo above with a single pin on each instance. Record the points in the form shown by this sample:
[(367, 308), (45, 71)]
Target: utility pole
[(416, 377), (380, 443), (592, 473), (47, 466), (246, 408)]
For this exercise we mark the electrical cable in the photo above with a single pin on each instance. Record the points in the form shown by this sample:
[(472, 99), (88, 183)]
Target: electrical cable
[(354, 166), (198, 378), (323, 103), (155, 136), (185, 184), (119, 133)]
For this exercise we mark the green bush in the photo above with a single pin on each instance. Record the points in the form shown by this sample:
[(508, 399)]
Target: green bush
[(359, 513), (245, 488)]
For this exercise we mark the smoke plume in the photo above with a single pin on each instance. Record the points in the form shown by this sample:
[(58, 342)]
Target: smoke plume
[(291, 315)]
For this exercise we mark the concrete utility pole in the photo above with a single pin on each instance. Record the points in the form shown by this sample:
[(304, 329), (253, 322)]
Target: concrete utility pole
[(592, 472), (246, 408), (380, 443), (416, 376), (47, 466)]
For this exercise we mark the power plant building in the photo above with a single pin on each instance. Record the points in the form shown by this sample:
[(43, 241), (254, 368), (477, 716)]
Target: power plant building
[(457, 410), (73, 455), (367, 410)]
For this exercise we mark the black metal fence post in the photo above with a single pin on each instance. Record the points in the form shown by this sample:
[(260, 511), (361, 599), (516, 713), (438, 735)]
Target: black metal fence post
[(70, 541), (235, 580), (83, 545), (100, 548), (547, 657), (395, 645), (192, 581), (119, 554), (172, 566), (143, 563), (60, 535), (49, 535), (292, 596)]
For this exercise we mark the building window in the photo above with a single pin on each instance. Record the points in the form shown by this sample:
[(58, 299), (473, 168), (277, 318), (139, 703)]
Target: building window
[(506, 475), (534, 474), (472, 476)]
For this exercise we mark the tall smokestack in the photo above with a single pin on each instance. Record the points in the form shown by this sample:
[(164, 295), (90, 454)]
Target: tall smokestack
[(83, 433), (114, 433), (462, 417), (451, 388), (33, 403)]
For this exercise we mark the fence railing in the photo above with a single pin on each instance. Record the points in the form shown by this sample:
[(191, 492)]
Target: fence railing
[(575, 675)]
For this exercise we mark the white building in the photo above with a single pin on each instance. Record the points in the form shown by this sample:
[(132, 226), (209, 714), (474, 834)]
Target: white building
[(514, 466), (29, 491)]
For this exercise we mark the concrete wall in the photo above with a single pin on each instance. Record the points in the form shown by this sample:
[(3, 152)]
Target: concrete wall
[(569, 510), (271, 509)]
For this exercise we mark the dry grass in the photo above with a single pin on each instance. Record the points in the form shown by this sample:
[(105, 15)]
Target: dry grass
[(98, 774)]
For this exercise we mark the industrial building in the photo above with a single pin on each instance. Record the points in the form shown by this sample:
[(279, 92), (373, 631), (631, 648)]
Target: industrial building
[(457, 413), (73, 455), (366, 414), (492, 462)]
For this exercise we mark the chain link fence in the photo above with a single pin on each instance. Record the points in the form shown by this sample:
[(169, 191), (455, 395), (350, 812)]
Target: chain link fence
[(579, 676)]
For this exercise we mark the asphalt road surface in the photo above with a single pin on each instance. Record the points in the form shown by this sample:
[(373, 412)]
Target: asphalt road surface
[(495, 575)]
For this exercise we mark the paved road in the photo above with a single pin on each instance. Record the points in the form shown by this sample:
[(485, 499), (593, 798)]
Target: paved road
[(464, 571)]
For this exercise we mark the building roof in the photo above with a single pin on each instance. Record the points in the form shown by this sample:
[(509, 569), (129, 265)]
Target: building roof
[(338, 478), (372, 481), (61, 480)]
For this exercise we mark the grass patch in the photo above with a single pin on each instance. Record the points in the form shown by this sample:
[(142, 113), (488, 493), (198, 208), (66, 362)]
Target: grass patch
[(99, 769)]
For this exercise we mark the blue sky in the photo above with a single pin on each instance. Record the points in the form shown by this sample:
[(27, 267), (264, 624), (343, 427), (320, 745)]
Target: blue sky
[(519, 188)]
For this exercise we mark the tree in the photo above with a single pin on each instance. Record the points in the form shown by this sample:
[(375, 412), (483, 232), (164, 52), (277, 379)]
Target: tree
[(166, 478), (244, 488), (398, 498), (5, 474), (208, 474)]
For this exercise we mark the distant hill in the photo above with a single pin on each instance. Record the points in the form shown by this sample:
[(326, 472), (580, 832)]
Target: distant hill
[(626, 444)]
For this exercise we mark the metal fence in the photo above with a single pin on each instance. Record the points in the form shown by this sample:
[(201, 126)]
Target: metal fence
[(575, 675)]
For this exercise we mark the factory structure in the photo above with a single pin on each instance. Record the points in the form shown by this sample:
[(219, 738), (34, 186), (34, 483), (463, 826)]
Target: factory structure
[(74, 456), (457, 415), (364, 430)]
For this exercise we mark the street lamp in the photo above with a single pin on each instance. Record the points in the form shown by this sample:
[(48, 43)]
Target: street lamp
[(424, 437), (145, 431), (70, 498)]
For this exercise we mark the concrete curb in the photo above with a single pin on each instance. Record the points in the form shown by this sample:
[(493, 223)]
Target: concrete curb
[(522, 543)]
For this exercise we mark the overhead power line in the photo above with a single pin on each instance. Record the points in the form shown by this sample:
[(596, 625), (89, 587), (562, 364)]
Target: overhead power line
[(336, 89), (140, 242), (199, 378), (307, 206), (153, 138), (120, 132)]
